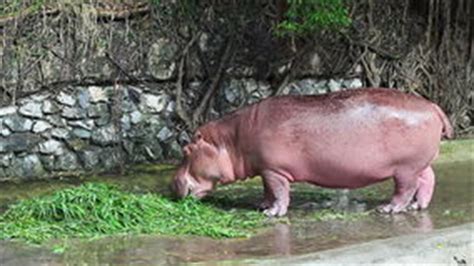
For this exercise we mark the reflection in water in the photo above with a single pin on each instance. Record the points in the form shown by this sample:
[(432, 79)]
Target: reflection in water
[(419, 222), (282, 239), (423, 222)]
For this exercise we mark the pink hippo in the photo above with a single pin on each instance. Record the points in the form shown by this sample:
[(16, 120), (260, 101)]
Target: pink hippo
[(347, 139)]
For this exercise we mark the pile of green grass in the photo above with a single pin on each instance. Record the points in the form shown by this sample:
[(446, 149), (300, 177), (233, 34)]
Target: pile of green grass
[(94, 210)]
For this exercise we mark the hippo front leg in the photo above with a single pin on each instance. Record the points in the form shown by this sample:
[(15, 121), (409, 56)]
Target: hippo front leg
[(268, 198), (277, 193)]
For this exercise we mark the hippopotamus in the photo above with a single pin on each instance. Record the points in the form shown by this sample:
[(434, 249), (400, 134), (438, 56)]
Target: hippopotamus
[(348, 139)]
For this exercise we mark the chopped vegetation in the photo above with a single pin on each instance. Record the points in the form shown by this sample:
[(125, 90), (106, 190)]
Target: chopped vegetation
[(95, 209), (454, 213), (329, 215)]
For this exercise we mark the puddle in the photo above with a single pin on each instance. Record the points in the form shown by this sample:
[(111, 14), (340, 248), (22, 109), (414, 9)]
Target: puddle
[(304, 231)]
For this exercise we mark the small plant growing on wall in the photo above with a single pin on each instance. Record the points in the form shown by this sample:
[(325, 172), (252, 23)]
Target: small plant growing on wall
[(306, 16)]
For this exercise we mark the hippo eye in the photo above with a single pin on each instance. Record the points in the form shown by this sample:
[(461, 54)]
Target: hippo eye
[(198, 135)]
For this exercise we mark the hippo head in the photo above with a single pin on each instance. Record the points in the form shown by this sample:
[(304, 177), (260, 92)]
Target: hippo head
[(204, 165)]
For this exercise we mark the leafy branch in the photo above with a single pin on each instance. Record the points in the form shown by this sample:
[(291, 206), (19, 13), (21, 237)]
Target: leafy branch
[(303, 17)]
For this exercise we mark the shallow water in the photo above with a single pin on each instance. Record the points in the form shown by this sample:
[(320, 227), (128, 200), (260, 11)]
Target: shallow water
[(300, 233)]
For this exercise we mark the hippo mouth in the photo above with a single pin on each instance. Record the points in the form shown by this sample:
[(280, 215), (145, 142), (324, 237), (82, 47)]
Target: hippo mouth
[(199, 194)]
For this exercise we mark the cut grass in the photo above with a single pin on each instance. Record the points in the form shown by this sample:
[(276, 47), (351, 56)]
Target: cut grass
[(330, 215), (94, 209)]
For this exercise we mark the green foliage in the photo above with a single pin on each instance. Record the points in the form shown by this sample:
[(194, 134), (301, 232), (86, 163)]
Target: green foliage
[(95, 209), (15, 7), (454, 213), (155, 2), (59, 249), (306, 16)]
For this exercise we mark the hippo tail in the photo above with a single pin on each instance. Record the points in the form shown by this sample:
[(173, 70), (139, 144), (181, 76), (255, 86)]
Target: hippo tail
[(448, 131)]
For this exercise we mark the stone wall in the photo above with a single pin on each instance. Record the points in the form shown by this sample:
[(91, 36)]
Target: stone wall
[(79, 130), (60, 115)]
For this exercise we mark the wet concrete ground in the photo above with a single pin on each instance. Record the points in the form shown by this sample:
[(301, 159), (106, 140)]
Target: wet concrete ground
[(318, 220), (449, 246)]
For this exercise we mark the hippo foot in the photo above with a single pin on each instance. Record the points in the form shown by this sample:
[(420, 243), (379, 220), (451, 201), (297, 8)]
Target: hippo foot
[(391, 208), (265, 204), (275, 211), (414, 206)]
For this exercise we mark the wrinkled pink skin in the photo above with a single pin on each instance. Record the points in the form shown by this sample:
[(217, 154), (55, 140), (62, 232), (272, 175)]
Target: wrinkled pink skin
[(347, 139)]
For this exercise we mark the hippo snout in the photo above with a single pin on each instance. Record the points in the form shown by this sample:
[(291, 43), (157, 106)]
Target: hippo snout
[(182, 190), (179, 188), (184, 186), (199, 194)]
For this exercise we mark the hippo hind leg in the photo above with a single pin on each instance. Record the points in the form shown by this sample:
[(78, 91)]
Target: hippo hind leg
[(424, 193), (411, 193), (406, 186)]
